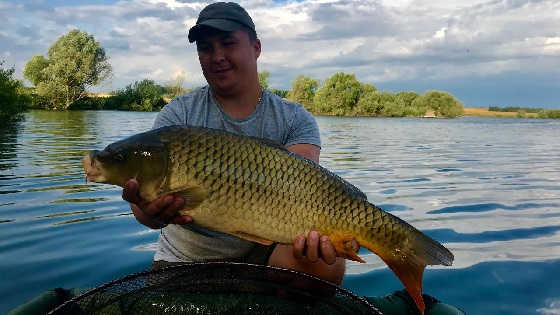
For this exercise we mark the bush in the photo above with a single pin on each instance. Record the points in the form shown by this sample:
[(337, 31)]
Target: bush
[(369, 103), (551, 114), (442, 103), (281, 93), (145, 95), (303, 91), (13, 98), (339, 95)]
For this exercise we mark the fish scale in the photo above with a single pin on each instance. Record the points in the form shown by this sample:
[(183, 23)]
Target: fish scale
[(257, 190)]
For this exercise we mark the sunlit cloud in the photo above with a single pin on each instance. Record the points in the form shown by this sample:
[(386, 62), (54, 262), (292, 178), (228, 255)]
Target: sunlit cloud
[(397, 45)]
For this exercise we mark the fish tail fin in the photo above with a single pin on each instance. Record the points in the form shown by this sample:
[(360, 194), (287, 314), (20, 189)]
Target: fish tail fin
[(409, 258)]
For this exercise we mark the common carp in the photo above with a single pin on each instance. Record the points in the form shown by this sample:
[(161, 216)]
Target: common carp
[(258, 190)]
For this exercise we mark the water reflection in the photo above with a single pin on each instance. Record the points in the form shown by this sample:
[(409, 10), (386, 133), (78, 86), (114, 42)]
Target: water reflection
[(92, 218), (9, 132), (59, 134)]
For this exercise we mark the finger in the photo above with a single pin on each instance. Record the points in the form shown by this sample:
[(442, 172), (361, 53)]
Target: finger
[(171, 209), (182, 219), (299, 247), (312, 252), (328, 253), (155, 208), (130, 192)]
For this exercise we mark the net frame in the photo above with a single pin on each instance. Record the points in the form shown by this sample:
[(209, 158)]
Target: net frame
[(198, 279)]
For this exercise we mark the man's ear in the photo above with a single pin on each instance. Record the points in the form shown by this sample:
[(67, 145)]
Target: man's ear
[(257, 47)]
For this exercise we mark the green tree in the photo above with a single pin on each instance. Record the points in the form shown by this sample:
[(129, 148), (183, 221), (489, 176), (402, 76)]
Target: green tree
[(34, 70), (393, 106), (143, 95), (410, 107), (370, 101), (338, 95), (75, 62), (442, 103), (281, 93), (13, 100), (303, 90), (263, 78)]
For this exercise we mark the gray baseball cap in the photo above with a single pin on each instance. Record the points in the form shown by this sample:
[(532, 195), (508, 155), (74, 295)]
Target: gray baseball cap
[(224, 16)]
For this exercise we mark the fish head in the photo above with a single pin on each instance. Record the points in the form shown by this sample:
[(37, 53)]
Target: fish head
[(142, 157)]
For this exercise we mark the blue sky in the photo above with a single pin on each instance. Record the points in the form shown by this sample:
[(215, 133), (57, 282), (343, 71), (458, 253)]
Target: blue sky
[(484, 52)]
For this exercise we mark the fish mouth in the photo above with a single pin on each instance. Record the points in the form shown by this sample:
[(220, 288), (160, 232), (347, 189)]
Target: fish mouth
[(91, 168)]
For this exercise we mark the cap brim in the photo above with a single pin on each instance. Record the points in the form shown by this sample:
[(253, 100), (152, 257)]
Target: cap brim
[(219, 24)]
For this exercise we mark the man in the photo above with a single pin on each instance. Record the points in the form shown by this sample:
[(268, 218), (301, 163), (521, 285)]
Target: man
[(228, 49)]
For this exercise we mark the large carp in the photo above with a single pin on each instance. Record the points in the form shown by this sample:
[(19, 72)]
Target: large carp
[(258, 190)]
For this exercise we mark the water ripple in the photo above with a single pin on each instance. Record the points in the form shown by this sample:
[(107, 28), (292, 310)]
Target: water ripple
[(491, 207)]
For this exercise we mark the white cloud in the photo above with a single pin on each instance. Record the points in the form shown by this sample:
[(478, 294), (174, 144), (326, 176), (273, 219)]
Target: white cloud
[(380, 41)]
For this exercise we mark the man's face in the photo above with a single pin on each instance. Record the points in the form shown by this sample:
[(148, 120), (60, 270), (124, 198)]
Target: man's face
[(228, 60)]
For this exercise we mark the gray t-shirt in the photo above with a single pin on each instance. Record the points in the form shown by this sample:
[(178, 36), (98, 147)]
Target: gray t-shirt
[(274, 118)]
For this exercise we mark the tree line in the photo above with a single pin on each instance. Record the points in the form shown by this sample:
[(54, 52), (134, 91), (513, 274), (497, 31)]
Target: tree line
[(14, 99), (76, 62), (343, 95), (522, 111)]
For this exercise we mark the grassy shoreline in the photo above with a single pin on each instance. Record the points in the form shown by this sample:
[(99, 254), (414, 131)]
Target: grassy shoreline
[(484, 112)]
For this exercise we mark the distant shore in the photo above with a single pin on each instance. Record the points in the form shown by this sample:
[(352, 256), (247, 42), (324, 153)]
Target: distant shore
[(484, 112)]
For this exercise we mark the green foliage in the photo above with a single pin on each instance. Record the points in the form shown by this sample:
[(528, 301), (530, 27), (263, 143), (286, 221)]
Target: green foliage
[(407, 97), (75, 62), (13, 99), (303, 91), (339, 94), (411, 109), (34, 70), (442, 103), (143, 95), (514, 109), (370, 103), (550, 113), (386, 104), (281, 93), (263, 78)]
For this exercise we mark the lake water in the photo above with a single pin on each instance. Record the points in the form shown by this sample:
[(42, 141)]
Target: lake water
[(489, 189)]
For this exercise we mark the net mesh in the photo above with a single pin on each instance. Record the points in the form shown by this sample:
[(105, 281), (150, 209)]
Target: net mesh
[(218, 288)]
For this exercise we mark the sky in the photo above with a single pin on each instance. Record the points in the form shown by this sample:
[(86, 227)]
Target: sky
[(484, 52)]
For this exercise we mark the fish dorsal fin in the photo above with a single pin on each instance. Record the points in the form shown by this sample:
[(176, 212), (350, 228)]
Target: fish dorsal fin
[(193, 196)]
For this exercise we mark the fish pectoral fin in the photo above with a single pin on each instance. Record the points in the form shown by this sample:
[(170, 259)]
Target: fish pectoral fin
[(253, 238), (193, 196), (344, 246)]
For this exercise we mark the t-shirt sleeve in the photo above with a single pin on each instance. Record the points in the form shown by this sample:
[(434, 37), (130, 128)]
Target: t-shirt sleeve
[(171, 114), (304, 129)]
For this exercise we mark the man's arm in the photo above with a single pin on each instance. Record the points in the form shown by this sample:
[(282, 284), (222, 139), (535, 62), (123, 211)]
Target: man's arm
[(315, 254)]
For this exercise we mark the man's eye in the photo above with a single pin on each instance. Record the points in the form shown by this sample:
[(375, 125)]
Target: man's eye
[(202, 47)]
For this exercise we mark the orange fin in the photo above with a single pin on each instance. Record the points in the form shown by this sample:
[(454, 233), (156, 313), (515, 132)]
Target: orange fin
[(253, 238), (343, 244), (407, 252), (410, 275)]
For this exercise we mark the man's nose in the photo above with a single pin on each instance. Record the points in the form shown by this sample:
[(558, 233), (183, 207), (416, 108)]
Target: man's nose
[(218, 54)]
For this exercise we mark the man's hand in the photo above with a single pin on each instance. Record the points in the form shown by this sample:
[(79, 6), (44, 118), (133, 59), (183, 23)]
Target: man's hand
[(315, 247), (314, 254), (154, 214)]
